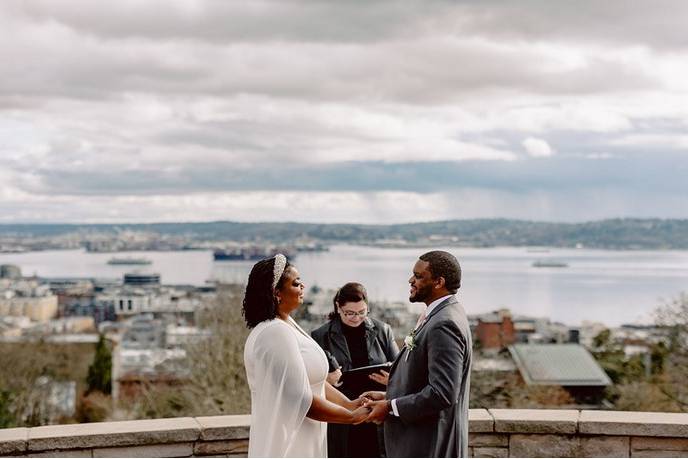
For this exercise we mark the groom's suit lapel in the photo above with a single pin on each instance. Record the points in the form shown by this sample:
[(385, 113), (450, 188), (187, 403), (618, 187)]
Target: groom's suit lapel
[(449, 301)]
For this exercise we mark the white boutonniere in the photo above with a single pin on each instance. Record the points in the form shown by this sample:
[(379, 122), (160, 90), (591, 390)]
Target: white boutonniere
[(410, 342)]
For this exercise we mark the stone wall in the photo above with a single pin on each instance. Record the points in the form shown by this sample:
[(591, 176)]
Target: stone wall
[(493, 433)]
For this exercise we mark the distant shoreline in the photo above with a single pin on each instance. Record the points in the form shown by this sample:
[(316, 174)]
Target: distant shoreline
[(612, 234)]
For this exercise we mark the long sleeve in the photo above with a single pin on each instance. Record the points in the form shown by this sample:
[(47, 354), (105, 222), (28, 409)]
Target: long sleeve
[(282, 394), (446, 353)]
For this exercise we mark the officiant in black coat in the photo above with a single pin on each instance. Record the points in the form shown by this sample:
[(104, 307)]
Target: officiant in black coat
[(352, 340)]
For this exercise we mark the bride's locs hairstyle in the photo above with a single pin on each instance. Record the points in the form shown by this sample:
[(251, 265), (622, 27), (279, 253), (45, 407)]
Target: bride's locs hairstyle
[(259, 300)]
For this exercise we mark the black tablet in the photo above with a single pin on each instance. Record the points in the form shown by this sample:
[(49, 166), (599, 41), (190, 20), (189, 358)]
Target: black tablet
[(357, 380)]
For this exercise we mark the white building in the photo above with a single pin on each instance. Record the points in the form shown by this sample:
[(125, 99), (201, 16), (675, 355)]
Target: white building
[(27, 298)]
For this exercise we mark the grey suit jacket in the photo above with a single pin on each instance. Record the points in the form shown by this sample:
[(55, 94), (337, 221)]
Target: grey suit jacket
[(431, 388)]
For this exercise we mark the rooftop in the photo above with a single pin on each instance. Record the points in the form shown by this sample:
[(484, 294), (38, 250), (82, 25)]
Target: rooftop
[(558, 364)]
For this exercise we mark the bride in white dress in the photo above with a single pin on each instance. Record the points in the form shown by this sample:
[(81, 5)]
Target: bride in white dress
[(291, 401)]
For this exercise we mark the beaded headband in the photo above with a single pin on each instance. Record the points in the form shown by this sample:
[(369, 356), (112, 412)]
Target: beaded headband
[(278, 270)]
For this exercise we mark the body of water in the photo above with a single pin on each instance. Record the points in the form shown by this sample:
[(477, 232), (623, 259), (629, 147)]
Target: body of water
[(613, 287)]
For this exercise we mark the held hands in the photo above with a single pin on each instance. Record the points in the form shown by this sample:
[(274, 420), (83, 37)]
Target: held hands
[(373, 395), (378, 411), (360, 415), (381, 378), (357, 403)]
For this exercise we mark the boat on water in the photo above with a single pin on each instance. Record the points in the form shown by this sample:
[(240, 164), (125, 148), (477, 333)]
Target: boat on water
[(249, 253), (549, 264), (129, 261)]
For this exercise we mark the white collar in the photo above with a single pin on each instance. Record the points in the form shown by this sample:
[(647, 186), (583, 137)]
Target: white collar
[(435, 303)]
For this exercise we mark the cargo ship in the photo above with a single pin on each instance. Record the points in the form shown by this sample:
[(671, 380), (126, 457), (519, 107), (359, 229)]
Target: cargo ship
[(549, 264), (249, 253), (129, 261)]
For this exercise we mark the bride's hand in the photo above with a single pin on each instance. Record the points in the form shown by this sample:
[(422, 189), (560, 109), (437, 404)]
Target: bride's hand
[(359, 415), (354, 404)]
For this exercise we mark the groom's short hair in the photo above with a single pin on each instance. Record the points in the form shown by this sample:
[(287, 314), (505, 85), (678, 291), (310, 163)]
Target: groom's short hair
[(444, 264)]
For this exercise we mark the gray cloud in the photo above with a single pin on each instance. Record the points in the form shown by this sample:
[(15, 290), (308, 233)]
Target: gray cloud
[(662, 173), (656, 24), (355, 104), (300, 50)]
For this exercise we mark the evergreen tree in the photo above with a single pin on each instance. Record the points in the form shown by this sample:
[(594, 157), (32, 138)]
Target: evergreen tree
[(100, 372), (6, 415)]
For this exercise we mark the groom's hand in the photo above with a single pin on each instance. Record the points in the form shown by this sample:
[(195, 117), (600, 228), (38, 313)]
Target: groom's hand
[(379, 411), (360, 415), (374, 395)]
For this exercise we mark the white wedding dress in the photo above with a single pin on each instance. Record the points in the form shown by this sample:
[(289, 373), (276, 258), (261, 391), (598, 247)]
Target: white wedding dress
[(285, 368)]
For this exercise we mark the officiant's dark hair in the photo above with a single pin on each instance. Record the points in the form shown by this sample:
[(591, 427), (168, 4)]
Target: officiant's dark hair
[(353, 292), (260, 303), (444, 264)]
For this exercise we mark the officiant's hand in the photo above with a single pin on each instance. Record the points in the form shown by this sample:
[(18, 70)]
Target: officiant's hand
[(381, 378), (374, 395), (379, 411)]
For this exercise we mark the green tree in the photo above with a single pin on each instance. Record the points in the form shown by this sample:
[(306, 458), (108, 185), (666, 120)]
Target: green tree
[(6, 415), (673, 317), (100, 372)]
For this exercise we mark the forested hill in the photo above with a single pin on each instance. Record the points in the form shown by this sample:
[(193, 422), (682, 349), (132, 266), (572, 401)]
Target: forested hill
[(612, 234)]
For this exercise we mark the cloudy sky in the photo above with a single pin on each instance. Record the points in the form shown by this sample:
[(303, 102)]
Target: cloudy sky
[(342, 111)]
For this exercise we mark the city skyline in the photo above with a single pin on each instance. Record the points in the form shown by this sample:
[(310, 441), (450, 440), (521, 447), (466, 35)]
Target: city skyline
[(333, 112)]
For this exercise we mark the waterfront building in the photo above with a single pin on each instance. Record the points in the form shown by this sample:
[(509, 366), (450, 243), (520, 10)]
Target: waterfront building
[(139, 279), (10, 272), (27, 298)]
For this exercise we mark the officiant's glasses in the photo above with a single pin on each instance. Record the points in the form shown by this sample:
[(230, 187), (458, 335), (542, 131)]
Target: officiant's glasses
[(351, 314)]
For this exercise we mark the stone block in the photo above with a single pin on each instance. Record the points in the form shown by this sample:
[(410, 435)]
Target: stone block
[(658, 453), (13, 441), (642, 424), (224, 427), (470, 452), (112, 434), (168, 450), (206, 448), (536, 421), (491, 452), (480, 420), (604, 446), (654, 443), (485, 439), (543, 445), (64, 453)]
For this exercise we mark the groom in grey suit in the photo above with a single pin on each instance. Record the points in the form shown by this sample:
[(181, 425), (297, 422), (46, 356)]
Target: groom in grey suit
[(425, 408)]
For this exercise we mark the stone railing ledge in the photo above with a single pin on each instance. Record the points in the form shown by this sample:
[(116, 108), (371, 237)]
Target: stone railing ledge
[(480, 420), (13, 441), (536, 421), (111, 434), (633, 423), (492, 433), (224, 427)]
